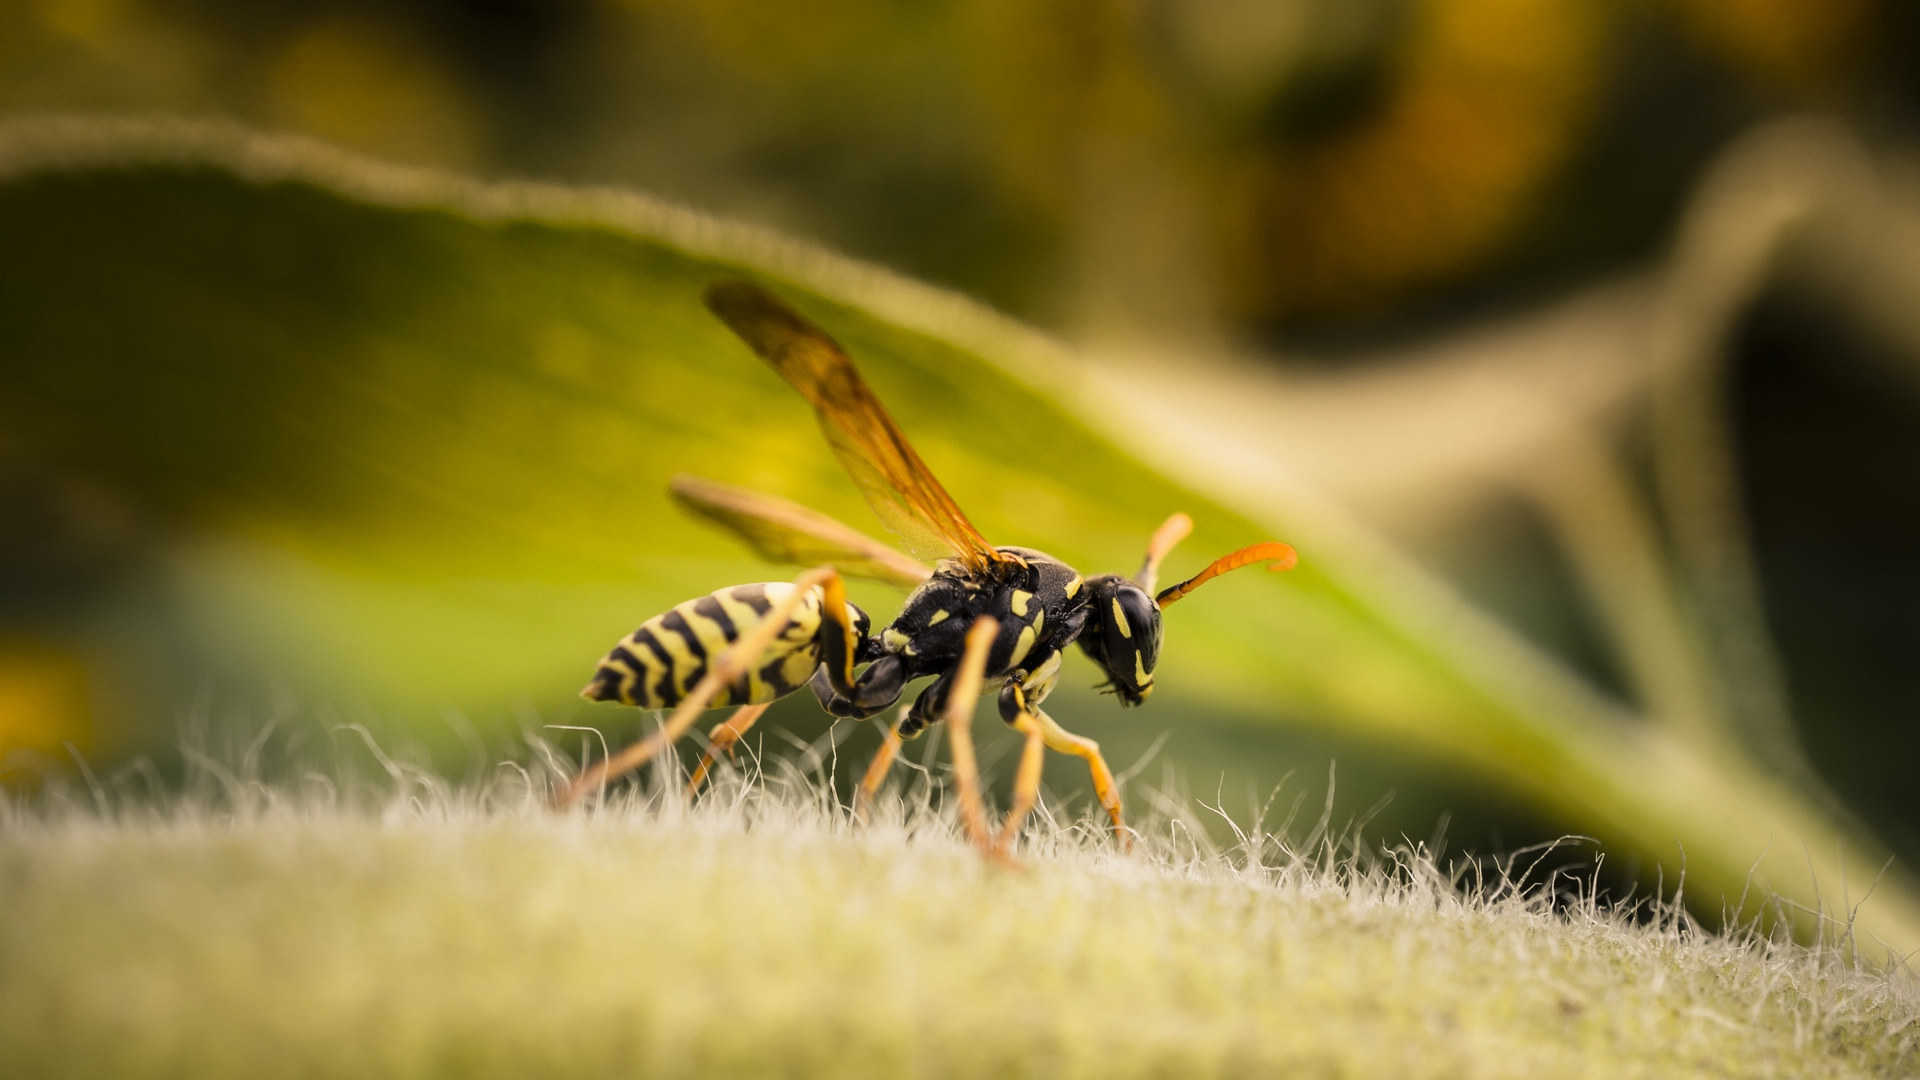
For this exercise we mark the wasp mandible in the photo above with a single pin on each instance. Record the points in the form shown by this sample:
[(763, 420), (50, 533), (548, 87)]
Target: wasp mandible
[(979, 614)]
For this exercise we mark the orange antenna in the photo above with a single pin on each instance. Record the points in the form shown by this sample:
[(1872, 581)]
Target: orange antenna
[(1171, 532), (1280, 555)]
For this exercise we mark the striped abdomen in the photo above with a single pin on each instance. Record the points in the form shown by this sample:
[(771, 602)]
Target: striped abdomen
[(656, 665)]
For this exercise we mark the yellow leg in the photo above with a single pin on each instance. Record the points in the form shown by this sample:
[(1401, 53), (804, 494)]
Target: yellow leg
[(722, 738), (877, 771), (723, 670), (1066, 742), (962, 696), (1039, 728), (837, 639), (1026, 780)]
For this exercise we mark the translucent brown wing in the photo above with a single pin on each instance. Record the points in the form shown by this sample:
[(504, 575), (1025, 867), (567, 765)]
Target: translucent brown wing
[(894, 479), (786, 532)]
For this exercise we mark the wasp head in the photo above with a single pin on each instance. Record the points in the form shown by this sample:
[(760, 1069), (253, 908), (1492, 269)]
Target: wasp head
[(1123, 635)]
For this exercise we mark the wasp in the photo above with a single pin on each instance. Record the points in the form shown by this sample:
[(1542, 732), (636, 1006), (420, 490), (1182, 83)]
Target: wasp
[(978, 614)]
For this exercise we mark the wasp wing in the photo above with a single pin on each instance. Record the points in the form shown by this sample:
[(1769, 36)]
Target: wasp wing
[(786, 532), (894, 479)]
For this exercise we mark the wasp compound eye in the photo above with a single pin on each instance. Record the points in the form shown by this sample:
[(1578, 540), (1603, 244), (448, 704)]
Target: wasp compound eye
[(1123, 635), (1132, 631)]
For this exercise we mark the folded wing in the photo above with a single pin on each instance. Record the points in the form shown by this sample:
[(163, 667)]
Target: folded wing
[(786, 532), (872, 448)]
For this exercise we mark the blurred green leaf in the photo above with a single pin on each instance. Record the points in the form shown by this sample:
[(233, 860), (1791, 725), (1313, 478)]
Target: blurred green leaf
[(396, 447)]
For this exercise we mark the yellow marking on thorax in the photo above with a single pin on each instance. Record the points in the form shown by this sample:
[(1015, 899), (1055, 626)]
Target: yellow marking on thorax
[(1019, 601), (939, 617), (1042, 681), (1022, 645), (1073, 587), (894, 640), (1120, 620)]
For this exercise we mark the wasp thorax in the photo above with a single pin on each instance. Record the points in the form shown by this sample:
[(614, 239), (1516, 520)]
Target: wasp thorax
[(1123, 635)]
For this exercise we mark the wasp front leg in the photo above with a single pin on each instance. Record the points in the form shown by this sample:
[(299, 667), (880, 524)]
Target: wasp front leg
[(876, 773), (1020, 707), (722, 739)]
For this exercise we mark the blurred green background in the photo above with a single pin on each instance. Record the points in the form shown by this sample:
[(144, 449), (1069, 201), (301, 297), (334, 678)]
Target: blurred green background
[(1566, 306)]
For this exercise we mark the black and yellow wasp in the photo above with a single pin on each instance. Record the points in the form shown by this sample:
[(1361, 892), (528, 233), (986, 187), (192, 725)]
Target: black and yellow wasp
[(979, 613)]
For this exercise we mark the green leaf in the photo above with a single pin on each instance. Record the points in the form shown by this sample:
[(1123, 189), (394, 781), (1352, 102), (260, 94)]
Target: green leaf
[(395, 446)]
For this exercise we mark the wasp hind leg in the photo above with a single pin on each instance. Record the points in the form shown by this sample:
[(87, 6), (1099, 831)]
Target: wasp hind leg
[(876, 773), (722, 738), (838, 642)]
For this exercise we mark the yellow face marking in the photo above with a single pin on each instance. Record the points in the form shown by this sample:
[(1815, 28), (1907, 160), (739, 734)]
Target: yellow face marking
[(1120, 620), (1039, 619), (1020, 598), (939, 617), (1021, 646), (1140, 676), (1073, 587)]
